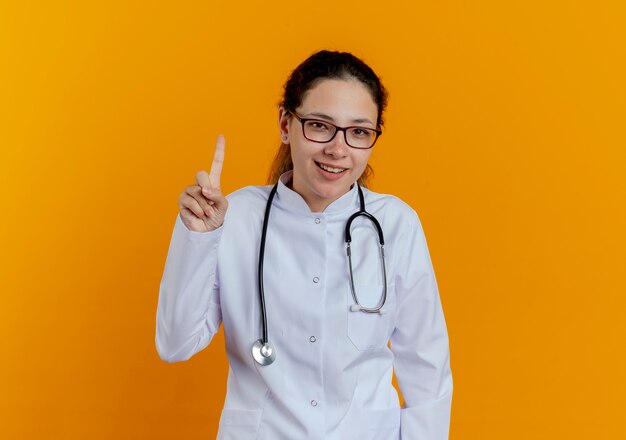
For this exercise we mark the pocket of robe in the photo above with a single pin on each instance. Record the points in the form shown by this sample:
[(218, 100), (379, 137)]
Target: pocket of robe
[(239, 424), (369, 331), (384, 424)]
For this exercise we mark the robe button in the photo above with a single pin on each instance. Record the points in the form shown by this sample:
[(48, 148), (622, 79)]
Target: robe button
[(312, 339), (313, 403), (316, 280)]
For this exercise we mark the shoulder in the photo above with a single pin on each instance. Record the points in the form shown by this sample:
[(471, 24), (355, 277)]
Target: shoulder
[(401, 225), (249, 196), (246, 205), (393, 209)]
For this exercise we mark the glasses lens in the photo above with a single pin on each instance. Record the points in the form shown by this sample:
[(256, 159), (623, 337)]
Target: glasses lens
[(318, 131), (359, 137)]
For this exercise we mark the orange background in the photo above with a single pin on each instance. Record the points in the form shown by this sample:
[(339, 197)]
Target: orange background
[(505, 131)]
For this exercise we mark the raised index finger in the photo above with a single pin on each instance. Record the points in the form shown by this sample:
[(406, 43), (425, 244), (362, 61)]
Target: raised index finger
[(218, 161)]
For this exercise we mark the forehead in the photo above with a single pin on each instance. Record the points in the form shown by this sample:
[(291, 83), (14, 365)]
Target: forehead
[(343, 100)]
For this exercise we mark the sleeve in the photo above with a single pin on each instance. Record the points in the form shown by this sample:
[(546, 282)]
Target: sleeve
[(420, 344), (188, 312)]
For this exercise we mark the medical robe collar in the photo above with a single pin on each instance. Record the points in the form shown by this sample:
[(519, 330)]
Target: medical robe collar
[(291, 201)]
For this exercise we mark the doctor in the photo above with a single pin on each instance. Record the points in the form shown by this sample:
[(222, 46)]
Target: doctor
[(323, 367)]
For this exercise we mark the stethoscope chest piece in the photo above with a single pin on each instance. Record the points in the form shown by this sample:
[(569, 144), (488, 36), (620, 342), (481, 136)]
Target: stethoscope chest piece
[(263, 353)]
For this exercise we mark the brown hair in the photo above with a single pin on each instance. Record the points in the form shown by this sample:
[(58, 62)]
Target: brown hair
[(319, 66)]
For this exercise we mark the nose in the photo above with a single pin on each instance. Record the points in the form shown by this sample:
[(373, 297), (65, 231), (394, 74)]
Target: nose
[(337, 147)]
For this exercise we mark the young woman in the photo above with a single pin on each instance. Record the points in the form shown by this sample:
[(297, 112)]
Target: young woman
[(308, 296)]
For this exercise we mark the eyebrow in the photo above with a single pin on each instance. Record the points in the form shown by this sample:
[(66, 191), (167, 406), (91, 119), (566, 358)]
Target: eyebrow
[(329, 118)]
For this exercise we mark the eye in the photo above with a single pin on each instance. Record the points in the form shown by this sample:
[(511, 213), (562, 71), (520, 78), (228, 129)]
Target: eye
[(361, 132), (317, 125)]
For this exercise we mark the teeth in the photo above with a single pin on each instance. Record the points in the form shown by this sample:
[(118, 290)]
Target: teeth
[(330, 169)]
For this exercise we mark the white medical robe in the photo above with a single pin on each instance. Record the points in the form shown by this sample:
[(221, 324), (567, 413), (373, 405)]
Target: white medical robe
[(332, 375)]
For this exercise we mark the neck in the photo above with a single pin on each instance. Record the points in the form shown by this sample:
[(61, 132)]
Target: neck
[(314, 204)]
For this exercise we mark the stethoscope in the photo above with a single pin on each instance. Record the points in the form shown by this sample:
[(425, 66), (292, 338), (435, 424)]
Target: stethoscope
[(263, 350)]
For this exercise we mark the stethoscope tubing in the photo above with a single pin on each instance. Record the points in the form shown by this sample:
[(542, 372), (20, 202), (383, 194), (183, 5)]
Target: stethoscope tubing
[(381, 246), (263, 351), (262, 258)]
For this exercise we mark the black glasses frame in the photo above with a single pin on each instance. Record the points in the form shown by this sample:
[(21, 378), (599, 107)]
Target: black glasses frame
[(337, 129)]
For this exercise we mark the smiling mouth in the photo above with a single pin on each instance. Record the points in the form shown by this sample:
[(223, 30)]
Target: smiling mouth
[(330, 169)]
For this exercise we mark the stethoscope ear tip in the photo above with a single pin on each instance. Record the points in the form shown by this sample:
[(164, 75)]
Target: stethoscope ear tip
[(358, 308)]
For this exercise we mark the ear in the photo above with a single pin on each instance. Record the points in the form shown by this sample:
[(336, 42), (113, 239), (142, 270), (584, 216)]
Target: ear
[(283, 124)]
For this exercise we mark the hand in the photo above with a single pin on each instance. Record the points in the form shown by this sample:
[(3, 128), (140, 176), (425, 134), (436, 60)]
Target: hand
[(202, 206)]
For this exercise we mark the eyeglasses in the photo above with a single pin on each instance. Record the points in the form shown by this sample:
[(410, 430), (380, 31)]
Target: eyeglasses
[(320, 131)]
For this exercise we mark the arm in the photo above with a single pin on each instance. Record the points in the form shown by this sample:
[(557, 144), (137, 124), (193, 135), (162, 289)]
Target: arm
[(420, 344), (188, 312)]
